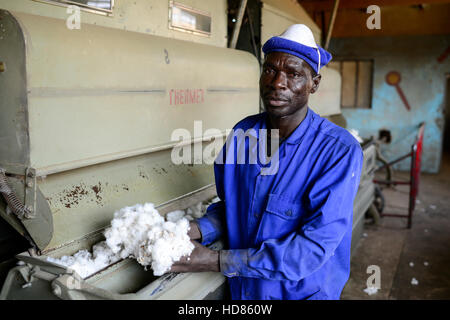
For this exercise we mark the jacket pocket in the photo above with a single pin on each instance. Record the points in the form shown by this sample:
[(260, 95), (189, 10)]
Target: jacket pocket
[(281, 217)]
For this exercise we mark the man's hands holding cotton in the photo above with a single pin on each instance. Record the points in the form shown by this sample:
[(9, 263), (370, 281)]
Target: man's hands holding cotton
[(201, 259), (194, 231)]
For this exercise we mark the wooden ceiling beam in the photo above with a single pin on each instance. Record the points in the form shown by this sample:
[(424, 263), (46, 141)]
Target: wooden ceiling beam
[(327, 5), (395, 21)]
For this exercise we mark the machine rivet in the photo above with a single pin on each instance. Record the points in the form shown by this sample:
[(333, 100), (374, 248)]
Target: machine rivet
[(29, 212)]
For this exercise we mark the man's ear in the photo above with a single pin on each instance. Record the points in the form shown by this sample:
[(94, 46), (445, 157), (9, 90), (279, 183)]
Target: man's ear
[(316, 80)]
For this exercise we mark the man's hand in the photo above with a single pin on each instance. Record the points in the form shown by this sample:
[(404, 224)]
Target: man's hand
[(194, 231), (201, 259)]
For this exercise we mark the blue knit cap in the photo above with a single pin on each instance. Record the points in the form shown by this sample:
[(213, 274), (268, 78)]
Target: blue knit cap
[(298, 40)]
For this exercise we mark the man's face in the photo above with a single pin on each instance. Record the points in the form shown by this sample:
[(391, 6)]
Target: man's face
[(286, 83)]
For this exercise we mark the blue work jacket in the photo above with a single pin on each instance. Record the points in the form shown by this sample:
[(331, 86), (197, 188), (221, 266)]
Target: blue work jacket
[(288, 234)]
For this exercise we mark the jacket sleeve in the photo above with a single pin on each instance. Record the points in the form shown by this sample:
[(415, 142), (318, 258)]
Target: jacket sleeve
[(304, 251), (212, 224)]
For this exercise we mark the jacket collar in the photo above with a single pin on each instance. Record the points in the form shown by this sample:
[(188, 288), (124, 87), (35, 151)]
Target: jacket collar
[(297, 135)]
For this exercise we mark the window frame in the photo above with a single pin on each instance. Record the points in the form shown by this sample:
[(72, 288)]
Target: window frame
[(340, 60), (193, 10), (67, 3)]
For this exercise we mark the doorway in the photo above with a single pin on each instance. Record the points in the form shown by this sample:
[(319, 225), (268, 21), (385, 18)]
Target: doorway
[(446, 146), (446, 139)]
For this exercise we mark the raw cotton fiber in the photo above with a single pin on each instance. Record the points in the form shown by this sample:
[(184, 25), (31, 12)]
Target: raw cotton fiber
[(85, 263), (139, 232), (142, 233)]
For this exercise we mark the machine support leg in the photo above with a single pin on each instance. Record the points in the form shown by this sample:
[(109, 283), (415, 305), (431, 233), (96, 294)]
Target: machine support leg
[(373, 211)]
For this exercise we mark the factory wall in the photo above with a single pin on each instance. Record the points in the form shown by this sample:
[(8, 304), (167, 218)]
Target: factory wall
[(422, 63)]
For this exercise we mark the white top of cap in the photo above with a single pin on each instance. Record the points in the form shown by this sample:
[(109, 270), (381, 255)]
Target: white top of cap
[(300, 33)]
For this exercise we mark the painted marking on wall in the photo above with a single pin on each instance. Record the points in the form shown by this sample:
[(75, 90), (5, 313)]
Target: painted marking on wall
[(393, 78), (186, 96), (444, 55)]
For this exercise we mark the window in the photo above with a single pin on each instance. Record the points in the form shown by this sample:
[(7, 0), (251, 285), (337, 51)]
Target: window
[(356, 91), (184, 18), (97, 6)]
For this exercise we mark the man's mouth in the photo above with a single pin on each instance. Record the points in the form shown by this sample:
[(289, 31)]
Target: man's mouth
[(275, 101)]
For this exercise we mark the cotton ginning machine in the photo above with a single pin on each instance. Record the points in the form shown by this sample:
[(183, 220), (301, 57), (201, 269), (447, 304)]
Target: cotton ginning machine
[(85, 129)]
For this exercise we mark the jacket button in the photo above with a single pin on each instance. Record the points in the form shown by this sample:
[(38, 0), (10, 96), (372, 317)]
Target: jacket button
[(289, 213)]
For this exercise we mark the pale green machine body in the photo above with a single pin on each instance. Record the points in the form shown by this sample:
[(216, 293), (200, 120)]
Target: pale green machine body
[(86, 130), (86, 119)]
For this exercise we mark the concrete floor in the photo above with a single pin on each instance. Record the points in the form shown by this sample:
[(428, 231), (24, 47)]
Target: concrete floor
[(392, 247)]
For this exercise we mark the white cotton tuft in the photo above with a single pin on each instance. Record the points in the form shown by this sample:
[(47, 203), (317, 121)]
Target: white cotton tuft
[(85, 263), (196, 211), (175, 215), (371, 290), (146, 236), (138, 232)]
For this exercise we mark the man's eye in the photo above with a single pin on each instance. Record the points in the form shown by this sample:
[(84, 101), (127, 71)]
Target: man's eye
[(267, 70)]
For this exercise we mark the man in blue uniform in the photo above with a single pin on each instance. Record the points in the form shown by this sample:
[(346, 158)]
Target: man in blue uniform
[(287, 232)]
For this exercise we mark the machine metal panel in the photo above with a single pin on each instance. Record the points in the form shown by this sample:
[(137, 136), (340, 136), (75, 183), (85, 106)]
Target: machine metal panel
[(14, 140), (38, 278), (142, 16), (365, 195), (84, 200), (278, 15), (100, 120), (100, 106), (326, 100), (72, 89)]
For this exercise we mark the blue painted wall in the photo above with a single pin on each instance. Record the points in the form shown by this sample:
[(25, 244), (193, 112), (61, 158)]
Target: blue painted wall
[(423, 83)]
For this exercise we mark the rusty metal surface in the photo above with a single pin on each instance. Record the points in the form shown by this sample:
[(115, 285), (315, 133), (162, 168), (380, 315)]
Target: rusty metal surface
[(84, 200)]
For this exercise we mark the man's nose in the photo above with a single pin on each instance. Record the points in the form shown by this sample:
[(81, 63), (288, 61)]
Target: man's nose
[(279, 80)]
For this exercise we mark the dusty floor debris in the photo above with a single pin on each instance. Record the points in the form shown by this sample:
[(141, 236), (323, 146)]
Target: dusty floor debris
[(391, 246)]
